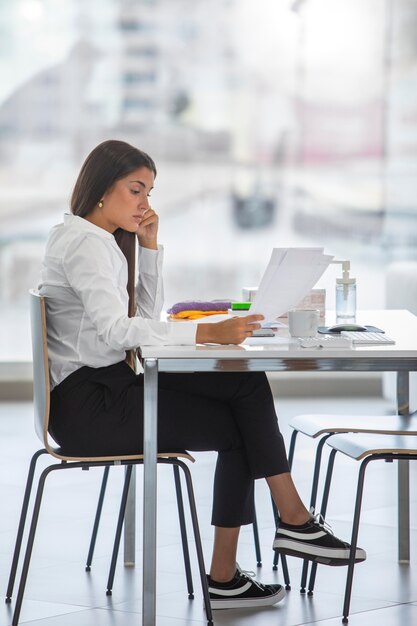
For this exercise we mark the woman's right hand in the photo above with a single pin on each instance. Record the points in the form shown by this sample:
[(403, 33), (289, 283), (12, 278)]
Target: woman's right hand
[(234, 330)]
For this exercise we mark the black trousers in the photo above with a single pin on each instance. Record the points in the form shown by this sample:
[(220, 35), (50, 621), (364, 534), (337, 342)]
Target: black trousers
[(100, 412)]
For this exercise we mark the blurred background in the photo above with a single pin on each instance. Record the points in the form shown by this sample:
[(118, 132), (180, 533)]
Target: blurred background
[(273, 123)]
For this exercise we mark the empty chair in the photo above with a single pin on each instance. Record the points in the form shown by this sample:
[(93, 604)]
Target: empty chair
[(364, 447), (323, 426)]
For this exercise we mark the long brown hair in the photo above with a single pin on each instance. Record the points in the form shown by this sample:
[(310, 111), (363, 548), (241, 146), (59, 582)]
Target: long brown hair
[(109, 162)]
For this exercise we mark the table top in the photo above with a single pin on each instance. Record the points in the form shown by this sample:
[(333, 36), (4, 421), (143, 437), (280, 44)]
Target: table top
[(400, 325)]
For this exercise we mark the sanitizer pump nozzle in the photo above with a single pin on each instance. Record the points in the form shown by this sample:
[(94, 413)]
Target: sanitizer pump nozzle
[(345, 294)]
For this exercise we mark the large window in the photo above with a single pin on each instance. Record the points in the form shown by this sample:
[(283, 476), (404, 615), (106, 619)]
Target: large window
[(291, 125)]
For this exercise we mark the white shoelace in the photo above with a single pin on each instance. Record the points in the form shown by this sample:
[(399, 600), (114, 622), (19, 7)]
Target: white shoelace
[(249, 574), (319, 519)]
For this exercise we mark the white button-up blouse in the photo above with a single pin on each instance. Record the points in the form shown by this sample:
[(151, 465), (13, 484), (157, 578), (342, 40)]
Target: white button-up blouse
[(84, 277)]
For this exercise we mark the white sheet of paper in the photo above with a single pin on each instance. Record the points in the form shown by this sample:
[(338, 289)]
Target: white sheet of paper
[(290, 275)]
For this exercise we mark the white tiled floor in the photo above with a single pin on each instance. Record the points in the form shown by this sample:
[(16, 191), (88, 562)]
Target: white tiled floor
[(60, 593)]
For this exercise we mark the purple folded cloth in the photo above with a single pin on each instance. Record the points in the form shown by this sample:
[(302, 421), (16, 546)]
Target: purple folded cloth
[(200, 305)]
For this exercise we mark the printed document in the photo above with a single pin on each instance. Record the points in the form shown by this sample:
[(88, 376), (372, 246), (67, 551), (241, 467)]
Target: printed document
[(290, 275)]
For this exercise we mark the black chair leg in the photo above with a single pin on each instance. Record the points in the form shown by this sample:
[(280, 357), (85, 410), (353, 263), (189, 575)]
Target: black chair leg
[(30, 541), (323, 510), (256, 541), (277, 555), (313, 500), (285, 572), (276, 520), (198, 545), (354, 540), (292, 448), (276, 516), (22, 522), (183, 529), (97, 519), (119, 527)]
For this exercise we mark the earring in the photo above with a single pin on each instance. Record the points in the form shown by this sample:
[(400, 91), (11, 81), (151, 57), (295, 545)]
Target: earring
[(100, 204)]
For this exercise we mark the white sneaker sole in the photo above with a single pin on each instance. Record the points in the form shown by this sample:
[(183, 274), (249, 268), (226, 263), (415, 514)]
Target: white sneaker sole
[(328, 556), (247, 603)]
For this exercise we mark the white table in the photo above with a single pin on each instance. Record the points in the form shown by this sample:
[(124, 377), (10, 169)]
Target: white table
[(401, 358)]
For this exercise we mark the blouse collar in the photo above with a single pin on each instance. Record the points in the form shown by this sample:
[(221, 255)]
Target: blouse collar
[(83, 224)]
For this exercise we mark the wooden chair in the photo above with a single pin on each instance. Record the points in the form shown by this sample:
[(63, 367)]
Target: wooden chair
[(324, 426), (364, 447), (41, 409)]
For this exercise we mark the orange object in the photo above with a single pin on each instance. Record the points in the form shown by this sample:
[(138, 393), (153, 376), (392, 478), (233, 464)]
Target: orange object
[(195, 315)]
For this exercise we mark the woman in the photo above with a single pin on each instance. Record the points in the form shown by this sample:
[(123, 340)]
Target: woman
[(94, 325)]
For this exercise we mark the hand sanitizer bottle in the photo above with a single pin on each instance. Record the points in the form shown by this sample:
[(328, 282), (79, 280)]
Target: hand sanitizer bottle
[(345, 295)]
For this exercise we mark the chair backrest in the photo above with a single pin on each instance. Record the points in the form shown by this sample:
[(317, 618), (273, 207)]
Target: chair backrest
[(41, 384)]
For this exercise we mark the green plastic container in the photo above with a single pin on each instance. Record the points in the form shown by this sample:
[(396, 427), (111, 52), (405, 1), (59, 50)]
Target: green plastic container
[(241, 306)]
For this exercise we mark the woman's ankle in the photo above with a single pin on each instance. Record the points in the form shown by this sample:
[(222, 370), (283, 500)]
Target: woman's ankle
[(224, 575), (296, 519)]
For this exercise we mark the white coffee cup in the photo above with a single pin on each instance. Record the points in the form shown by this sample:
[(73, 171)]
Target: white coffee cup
[(303, 322)]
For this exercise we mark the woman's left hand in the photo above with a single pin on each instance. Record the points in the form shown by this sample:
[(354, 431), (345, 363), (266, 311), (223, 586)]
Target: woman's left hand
[(147, 231)]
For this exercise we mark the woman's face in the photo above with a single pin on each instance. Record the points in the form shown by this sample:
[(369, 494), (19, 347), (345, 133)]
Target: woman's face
[(126, 202)]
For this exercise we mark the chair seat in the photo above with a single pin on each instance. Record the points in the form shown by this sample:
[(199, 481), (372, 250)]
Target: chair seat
[(62, 456), (317, 425), (359, 446)]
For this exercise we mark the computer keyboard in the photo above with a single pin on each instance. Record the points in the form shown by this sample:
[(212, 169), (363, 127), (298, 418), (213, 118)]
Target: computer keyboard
[(328, 341), (364, 338)]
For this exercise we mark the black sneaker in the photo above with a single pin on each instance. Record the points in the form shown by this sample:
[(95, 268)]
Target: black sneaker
[(314, 541), (243, 592)]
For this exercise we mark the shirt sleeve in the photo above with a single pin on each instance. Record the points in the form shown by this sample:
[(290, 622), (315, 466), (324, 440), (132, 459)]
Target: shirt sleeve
[(90, 266), (149, 287)]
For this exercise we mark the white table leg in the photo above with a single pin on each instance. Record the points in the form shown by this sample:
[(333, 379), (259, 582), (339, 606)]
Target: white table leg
[(150, 432), (403, 476)]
